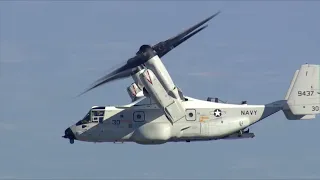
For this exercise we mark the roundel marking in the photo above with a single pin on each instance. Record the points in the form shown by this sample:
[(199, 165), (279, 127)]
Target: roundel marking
[(217, 113)]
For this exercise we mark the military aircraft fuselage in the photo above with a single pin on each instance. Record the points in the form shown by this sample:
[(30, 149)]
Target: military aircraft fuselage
[(159, 111), (144, 123)]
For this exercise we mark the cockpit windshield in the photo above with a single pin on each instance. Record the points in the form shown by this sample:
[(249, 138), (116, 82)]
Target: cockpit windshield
[(85, 120), (93, 116)]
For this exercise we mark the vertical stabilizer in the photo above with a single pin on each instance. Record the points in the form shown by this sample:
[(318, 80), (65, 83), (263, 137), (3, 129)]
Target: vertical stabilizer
[(303, 96), (292, 83)]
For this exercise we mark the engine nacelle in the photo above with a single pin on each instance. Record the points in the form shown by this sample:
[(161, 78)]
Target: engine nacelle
[(172, 107), (134, 91), (155, 64), (136, 78)]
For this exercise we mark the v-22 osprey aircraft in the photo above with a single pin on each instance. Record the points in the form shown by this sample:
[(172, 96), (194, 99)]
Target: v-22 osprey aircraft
[(159, 111)]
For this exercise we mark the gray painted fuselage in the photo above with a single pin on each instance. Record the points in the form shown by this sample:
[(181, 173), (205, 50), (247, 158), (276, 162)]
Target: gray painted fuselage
[(144, 123)]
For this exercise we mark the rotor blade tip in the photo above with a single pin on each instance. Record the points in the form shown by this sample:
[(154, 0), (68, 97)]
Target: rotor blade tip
[(215, 14), (80, 94), (83, 92)]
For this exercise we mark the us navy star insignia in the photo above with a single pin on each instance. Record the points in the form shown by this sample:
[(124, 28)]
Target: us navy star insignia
[(217, 113)]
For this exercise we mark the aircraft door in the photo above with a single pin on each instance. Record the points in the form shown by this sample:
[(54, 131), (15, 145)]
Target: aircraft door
[(97, 116), (204, 128)]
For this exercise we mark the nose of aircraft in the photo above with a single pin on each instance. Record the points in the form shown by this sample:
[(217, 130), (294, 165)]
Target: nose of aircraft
[(68, 134)]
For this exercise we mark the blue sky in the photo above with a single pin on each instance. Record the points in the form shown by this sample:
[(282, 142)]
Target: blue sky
[(52, 51)]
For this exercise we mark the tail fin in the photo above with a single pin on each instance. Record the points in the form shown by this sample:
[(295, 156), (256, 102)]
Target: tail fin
[(303, 96)]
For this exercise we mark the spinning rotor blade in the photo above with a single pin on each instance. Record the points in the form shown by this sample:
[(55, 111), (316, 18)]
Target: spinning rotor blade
[(141, 57), (111, 77), (164, 47), (186, 38), (115, 75)]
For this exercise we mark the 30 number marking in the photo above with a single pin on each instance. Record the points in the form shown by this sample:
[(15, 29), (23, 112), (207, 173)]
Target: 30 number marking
[(305, 93), (315, 108), (116, 122)]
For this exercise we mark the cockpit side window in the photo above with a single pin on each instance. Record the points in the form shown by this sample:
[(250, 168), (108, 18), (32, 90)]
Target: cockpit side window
[(94, 115), (97, 115)]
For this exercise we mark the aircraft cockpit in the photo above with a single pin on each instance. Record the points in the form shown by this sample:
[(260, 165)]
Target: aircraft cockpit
[(95, 115)]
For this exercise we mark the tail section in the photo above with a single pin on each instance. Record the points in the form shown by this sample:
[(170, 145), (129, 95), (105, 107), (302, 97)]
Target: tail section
[(303, 96)]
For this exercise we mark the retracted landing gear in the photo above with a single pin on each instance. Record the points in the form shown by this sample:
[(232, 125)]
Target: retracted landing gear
[(241, 132)]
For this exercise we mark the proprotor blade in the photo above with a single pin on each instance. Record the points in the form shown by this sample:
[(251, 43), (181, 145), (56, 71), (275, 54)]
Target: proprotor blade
[(141, 57), (164, 47), (111, 77), (177, 43)]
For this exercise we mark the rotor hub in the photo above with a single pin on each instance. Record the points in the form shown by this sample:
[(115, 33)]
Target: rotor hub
[(147, 51), (144, 48)]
